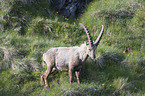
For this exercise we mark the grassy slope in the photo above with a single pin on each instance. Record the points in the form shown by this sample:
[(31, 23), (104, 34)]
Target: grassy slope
[(120, 67)]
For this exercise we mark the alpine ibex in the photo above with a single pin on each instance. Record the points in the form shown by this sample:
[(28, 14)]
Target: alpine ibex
[(70, 58)]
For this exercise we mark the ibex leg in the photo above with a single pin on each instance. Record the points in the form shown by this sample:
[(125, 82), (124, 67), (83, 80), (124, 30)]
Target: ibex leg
[(70, 75), (77, 75), (47, 72), (42, 79)]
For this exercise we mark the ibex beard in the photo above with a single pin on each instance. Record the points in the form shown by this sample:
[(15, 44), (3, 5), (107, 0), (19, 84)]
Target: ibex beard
[(70, 58)]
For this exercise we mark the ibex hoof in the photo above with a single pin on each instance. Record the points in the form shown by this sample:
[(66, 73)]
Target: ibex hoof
[(42, 84), (46, 87)]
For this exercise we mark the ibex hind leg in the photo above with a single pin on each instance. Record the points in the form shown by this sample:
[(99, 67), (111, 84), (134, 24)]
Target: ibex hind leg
[(42, 76), (46, 75)]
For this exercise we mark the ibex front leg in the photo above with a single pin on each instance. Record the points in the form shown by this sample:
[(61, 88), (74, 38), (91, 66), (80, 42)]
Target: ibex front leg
[(70, 74), (77, 75), (77, 72)]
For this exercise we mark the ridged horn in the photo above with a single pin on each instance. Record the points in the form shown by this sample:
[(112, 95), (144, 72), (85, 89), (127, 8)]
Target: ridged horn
[(99, 37), (88, 35)]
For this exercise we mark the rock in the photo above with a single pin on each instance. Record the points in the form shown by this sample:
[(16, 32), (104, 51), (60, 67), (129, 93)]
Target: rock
[(69, 8)]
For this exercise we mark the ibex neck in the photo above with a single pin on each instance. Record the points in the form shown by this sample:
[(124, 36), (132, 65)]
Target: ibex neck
[(85, 58), (83, 53)]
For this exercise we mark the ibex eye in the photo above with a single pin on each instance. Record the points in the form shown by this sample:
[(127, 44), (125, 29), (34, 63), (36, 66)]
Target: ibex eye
[(90, 49)]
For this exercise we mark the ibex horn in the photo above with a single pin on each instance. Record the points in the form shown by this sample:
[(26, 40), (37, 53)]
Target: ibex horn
[(99, 37), (88, 35)]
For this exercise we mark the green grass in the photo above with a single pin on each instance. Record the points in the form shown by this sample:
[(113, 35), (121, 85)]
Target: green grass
[(120, 66)]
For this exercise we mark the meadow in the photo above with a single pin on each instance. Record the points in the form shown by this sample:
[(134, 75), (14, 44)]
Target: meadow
[(27, 31)]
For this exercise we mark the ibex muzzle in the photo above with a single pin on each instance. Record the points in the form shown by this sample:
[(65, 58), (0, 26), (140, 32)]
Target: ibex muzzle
[(70, 58)]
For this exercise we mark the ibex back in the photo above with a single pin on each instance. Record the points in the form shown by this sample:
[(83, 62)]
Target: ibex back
[(70, 58)]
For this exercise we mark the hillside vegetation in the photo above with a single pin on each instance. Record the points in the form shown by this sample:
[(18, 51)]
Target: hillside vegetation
[(29, 29)]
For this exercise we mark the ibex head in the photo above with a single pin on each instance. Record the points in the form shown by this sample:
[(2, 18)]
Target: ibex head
[(92, 45)]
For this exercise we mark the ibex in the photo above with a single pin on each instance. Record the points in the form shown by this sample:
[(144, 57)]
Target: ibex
[(70, 58)]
